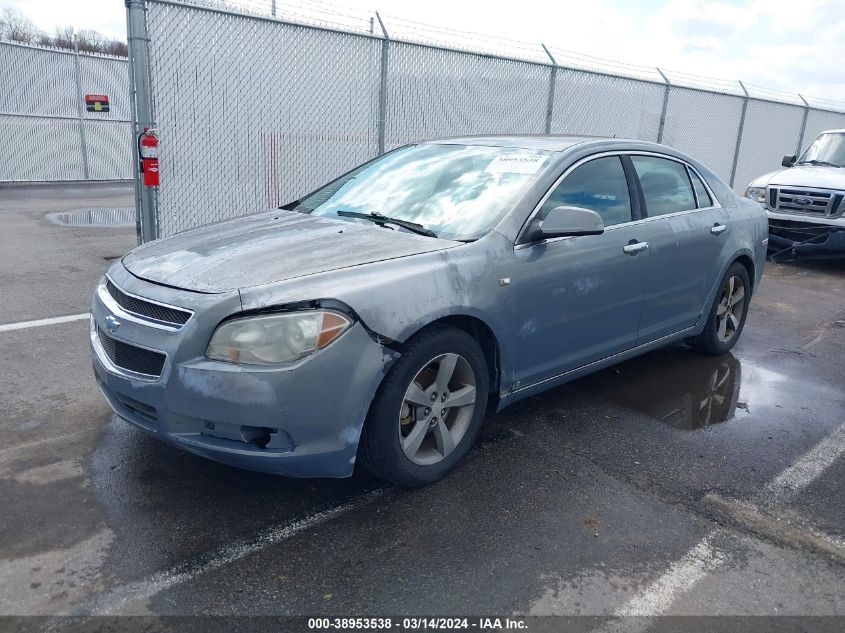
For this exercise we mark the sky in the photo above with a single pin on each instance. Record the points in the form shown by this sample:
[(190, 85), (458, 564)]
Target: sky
[(787, 45)]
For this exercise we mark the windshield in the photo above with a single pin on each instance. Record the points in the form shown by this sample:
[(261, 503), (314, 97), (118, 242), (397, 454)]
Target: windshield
[(458, 191), (827, 148)]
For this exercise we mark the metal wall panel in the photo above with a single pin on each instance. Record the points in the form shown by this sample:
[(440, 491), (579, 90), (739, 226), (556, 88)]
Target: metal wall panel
[(705, 126), (106, 75), (771, 131), (45, 131), (599, 105), (110, 149), (253, 113), (433, 92), (40, 149), (37, 81)]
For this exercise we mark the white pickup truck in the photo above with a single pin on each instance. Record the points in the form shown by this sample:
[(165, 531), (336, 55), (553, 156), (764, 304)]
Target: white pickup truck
[(806, 201)]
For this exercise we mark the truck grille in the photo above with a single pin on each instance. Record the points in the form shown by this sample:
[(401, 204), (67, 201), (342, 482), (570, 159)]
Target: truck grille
[(131, 357), (147, 309), (809, 201)]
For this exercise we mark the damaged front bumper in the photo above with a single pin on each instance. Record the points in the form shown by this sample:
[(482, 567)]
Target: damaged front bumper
[(302, 419), (791, 238)]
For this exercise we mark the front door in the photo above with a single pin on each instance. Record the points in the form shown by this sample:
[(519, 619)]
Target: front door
[(578, 299)]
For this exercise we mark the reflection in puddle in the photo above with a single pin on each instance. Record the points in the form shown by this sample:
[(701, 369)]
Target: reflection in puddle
[(674, 385), (121, 216)]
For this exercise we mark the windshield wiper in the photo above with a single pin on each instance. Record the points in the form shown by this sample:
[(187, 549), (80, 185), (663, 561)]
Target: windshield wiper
[(380, 219), (817, 162)]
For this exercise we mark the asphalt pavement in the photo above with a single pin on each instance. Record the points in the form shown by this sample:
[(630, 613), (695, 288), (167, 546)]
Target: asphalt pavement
[(672, 484)]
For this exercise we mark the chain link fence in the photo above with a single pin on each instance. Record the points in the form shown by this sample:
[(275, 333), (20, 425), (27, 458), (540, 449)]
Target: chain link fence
[(47, 133), (251, 114), (254, 110), (256, 104)]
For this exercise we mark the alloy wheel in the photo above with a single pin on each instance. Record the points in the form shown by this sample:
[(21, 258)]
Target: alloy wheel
[(730, 308), (437, 408)]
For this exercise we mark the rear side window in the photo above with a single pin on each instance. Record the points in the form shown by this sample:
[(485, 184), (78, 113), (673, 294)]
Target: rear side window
[(599, 185), (666, 186), (704, 199)]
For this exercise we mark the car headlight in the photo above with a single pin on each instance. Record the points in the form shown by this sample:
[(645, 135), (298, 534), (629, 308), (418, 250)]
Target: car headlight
[(275, 338), (757, 194)]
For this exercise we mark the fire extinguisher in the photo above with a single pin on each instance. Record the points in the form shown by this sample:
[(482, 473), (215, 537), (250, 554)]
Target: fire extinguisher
[(148, 153)]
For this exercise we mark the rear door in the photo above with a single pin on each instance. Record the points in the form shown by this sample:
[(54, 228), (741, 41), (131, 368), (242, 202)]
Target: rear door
[(685, 233)]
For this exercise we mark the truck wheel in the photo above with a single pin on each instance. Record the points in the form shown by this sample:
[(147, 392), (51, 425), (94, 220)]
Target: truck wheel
[(727, 316), (428, 410)]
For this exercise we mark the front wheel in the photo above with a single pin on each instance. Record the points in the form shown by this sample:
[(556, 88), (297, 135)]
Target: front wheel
[(428, 410), (727, 316)]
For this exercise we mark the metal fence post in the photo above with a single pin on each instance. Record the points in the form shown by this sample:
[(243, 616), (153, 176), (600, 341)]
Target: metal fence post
[(739, 133), (382, 94), (141, 96), (803, 126), (81, 110), (550, 104), (136, 167), (663, 111)]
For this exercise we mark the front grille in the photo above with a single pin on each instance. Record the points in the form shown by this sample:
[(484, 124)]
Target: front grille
[(809, 201), (148, 309), (130, 357)]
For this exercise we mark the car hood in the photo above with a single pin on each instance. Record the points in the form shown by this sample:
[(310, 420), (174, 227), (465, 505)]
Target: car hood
[(805, 176), (269, 247)]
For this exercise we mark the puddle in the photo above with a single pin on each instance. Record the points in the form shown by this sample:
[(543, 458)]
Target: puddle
[(120, 216), (679, 388)]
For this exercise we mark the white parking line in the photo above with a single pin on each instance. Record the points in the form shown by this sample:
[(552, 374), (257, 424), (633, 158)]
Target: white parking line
[(679, 578), (803, 472), (683, 574), (22, 325), (119, 599)]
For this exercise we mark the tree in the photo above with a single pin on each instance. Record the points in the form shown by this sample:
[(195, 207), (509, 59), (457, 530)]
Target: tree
[(17, 27), (90, 41), (63, 37)]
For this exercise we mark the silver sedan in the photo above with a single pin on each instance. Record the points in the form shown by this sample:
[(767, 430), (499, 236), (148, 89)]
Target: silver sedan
[(380, 317)]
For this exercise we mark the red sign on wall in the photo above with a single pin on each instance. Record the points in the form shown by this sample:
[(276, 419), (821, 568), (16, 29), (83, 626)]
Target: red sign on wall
[(97, 103)]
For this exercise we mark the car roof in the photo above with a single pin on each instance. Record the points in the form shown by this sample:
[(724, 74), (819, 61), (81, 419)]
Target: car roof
[(556, 143), (553, 143)]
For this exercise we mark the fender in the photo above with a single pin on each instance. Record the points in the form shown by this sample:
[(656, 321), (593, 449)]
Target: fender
[(711, 296)]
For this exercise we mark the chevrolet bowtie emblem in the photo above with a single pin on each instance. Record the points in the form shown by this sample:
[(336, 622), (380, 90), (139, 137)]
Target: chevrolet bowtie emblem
[(112, 324)]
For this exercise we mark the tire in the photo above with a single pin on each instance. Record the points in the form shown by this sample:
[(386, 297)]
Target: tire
[(408, 409), (725, 320)]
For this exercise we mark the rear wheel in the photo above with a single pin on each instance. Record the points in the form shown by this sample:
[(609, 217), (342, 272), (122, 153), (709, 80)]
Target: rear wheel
[(428, 410), (727, 315)]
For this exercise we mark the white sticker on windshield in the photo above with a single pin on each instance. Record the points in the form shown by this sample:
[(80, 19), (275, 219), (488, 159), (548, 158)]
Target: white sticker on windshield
[(516, 164)]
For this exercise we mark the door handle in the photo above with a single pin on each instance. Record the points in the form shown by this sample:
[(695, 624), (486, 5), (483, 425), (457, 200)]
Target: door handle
[(718, 229), (634, 247)]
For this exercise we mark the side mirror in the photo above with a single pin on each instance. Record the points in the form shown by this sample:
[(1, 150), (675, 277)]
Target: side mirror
[(565, 222), (788, 161)]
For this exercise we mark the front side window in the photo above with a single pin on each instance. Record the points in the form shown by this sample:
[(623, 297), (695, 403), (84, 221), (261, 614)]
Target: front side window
[(599, 185), (666, 186), (828, 149), (458, 191)]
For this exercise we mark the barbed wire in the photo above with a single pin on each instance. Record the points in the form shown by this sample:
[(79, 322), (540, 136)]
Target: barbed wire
[(327, 14), (332, 15)]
